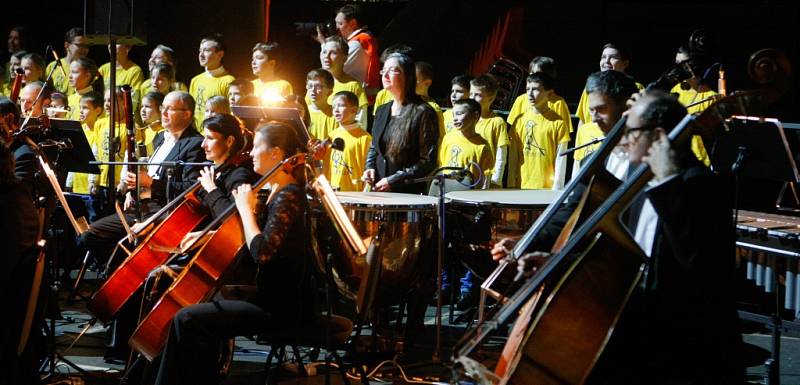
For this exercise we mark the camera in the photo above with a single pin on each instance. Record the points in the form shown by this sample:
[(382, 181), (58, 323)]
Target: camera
[(328, 28)]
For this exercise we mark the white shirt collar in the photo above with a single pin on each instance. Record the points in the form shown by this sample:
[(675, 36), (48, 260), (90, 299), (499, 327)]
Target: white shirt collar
[(354, 33), (219, 71)]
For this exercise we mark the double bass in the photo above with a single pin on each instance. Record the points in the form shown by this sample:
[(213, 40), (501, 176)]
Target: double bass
[(201, 277), (570, 306)]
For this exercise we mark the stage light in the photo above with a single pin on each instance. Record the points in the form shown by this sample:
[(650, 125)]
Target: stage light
[(271, 97)]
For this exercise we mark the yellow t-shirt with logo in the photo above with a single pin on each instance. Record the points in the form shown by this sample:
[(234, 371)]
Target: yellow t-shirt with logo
[(584, 116), (320, 123), (345, 167), (101, 154), (587, 133), (690, 96), (447, 119), (538, 138), (458, 150), (60, 81), (204, 87), (439, 116), (555, 103), (278, 87)]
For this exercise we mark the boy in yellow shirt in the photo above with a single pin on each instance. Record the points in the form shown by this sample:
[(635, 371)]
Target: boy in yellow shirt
[(459, 89), (214, 81), (463, 146), (75, 46), (539, 136), (424, 71), (90, 111), (332, 57), (83, 79), (271, 89), (128, 72), (696, 98), (239, 89), (554, 102), (460, 148), (319, 86), (483, 89), (345, 167), (613, 57), (150, 114)]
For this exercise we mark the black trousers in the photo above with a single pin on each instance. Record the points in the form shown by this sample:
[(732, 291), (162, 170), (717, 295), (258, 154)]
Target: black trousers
[(105, 232), (191, 353)]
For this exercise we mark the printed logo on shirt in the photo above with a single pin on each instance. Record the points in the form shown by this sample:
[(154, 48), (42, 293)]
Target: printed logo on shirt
[(455, 153), (340, 167), (532, 147)]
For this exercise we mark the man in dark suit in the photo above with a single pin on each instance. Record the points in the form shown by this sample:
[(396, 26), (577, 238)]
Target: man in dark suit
[(680, 326), (180, 141)]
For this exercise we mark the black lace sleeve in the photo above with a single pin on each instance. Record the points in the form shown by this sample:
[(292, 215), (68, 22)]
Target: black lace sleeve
[(283, 211)]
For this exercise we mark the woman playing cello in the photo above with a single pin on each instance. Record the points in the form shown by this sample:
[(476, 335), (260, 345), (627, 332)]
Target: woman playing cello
[(276, 238)]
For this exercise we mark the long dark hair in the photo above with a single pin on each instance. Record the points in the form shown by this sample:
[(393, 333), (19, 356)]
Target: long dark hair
[(402, 131), (278, 134)]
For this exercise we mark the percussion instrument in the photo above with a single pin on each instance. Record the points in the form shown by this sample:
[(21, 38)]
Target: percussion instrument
[(768, 250), (476, 219), (406, 248)]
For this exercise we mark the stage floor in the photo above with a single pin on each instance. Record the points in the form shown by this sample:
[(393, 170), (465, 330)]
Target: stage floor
[(248, 360)]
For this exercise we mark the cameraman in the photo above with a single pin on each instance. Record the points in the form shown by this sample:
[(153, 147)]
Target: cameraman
[(362, 57)]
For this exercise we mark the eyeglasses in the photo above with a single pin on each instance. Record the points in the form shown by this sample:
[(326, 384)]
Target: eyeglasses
[(172, 109), (634, 133), (394, 71)]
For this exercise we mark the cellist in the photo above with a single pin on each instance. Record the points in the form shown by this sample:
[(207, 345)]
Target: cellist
[(277, 238), (681, 325)]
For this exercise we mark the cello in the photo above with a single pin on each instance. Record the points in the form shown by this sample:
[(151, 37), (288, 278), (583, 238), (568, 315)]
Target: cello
[(180, 216), (565, 327), (199, 279)]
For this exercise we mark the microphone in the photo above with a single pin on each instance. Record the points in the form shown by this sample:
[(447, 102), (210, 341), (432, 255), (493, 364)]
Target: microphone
[(58, 61), (338, 144)]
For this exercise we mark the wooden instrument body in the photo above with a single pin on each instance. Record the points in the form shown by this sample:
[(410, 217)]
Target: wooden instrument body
[(149, 254), (196, 283), (591, 279)]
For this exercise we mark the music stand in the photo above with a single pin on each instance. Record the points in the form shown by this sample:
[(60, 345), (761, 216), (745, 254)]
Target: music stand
[(758, 148), (290, 116), (79, 156)]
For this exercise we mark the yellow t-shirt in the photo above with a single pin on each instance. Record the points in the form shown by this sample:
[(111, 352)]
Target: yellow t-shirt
[(447, 120), (584, 116), (587, 133), (60, 82), (74, 103), (149, 135), (345, 167), (101, 151), (687, 97), (204, 87), (353, 86), (381, 98), (539, 138), (555, 103), (132, 75), (321, 124), (81, 181), (279, 87), (494, 130), (459, 151)]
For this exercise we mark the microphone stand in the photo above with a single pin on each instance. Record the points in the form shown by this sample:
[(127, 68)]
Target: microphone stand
[(440, 177)]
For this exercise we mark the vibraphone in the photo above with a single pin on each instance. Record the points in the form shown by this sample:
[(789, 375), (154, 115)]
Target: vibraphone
[(768, 246)]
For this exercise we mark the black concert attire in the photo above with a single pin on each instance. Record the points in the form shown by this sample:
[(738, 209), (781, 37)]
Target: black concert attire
[(422, 153), (25, 166), (681, 322), (104, 233), (284, 299), (19, 229)]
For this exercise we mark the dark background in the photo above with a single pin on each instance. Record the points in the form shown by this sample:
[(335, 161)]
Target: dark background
[(447, 33)]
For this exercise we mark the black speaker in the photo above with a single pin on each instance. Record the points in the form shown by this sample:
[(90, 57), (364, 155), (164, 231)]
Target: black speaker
[(125, 20)]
